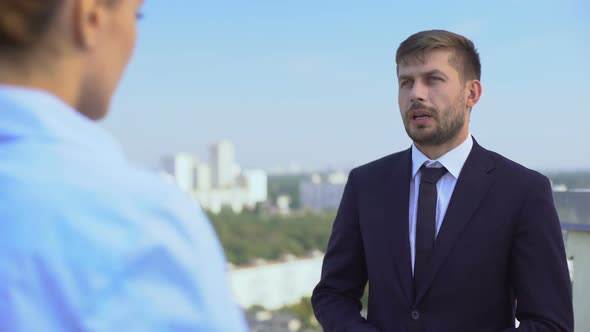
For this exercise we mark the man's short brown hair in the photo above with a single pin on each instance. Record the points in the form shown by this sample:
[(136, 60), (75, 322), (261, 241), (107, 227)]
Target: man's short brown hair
[(465, 57)]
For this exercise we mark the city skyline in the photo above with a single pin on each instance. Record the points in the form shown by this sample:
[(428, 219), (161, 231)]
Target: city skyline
[(220, 182), (206, 159), (314, 83)]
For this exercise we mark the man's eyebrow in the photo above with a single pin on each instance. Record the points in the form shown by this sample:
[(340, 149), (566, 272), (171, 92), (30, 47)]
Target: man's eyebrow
[(427, 73), (435, 72)]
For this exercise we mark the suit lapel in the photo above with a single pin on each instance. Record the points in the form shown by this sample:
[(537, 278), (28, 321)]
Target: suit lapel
[(473, 183), (397, 202)]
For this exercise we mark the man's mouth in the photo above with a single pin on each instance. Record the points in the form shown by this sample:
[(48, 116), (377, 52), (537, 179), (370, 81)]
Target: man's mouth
[(420, 112)]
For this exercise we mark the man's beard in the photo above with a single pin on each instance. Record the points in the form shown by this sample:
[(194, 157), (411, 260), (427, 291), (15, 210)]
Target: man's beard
[(448, 125)]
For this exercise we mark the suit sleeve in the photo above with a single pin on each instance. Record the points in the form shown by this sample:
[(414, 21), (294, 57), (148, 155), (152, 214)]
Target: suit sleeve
[(336, 299), (539, 271)]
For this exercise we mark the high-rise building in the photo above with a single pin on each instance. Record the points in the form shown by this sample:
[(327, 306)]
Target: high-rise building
[(203, 177), (256, 186), (181, 166), (223, 165), (221, 183)]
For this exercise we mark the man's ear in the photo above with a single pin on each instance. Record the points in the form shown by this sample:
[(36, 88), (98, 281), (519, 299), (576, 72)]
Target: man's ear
[(88, 20), (473, 91)]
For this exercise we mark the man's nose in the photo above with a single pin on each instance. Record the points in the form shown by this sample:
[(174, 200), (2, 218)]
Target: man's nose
[(418, 92)]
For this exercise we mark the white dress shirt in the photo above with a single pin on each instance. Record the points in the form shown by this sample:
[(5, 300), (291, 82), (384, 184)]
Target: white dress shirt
[(90, 243), (453, 161)]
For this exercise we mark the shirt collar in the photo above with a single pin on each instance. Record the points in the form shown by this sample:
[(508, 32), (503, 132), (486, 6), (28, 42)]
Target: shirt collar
[(453, 160), (32, 113)]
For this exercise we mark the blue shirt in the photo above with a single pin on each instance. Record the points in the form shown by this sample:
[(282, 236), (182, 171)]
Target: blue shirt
[(89, 243)]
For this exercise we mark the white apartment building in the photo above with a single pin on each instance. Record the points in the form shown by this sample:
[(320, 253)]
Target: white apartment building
[(224, 169), (203, 177), (181, 166), (276, 284), (221, 183), (256, 184)]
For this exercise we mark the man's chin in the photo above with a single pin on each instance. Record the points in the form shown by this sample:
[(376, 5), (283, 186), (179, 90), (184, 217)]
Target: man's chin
[(424, 138)]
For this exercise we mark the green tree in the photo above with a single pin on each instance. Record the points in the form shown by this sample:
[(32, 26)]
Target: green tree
[(249, 235)]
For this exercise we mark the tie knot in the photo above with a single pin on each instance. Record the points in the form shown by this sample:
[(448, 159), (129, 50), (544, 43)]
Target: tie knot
[(432, 174)]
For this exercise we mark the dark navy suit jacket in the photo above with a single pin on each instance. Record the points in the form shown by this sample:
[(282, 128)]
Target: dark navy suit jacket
[(499, 254)]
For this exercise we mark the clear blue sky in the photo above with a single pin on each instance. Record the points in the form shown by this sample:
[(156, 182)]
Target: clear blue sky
[(313, 82)]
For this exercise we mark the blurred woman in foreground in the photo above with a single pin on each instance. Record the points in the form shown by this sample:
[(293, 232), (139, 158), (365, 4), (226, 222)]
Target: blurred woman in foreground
[(87, 242)]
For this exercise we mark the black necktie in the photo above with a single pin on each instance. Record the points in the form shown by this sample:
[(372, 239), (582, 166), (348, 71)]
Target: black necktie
[(426, 219)]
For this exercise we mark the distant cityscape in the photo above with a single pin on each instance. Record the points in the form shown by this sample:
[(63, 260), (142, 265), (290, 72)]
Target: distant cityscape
[(220, 182)]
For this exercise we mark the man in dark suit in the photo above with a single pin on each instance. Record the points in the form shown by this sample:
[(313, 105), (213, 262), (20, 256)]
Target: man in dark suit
[(449, 236)]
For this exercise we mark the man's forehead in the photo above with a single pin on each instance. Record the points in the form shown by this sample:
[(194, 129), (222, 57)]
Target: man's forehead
[(426, 62)]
